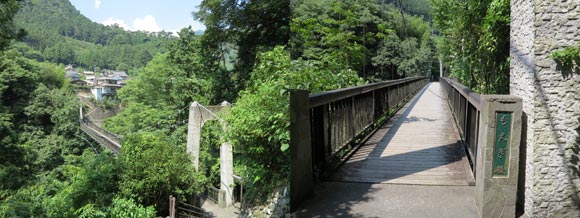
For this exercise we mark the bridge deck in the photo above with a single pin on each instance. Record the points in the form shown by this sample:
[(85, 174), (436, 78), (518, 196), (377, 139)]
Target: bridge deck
[(417, 146)]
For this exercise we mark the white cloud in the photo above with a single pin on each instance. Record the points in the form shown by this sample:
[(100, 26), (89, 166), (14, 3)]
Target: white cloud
[(98, 4), (175, 32), (148, 23), (196, 25), (111, 21)]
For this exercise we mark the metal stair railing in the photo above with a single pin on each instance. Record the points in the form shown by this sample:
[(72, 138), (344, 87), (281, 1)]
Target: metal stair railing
[(184, 210)]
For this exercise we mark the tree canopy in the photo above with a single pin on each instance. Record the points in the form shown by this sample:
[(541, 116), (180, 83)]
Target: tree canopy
[(380, 40), (474, 42)]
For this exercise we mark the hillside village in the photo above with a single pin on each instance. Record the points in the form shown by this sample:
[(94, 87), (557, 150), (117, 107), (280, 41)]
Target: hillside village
[(101, 85)]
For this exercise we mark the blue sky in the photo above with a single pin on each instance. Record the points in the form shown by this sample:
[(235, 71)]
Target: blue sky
[(147, 15)]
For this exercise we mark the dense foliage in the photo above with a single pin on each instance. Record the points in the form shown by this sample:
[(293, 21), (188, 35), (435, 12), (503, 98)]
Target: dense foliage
[(156, 168), (7, 10), (48, 168), (474, 42), (380, 40), (40, 142), (246, 27), (259, 122)]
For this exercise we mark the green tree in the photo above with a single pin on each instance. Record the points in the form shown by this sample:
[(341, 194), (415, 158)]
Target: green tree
[(155, 167), (252, 26), (127, 208), (259, 121), (160, 90), (388, 57), (39, 113), (474, 42), (8, 9), (377, 40)]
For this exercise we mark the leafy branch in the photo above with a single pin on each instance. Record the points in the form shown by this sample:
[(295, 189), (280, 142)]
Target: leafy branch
[(567, 59)]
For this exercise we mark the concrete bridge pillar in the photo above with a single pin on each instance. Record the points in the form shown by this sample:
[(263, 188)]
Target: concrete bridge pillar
[(549, 184), (226, 175), (198, 116)]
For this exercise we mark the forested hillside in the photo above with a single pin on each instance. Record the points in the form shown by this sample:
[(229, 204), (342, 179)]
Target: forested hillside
[(59, 33), (412, 7), (380, 40), (48, 167)]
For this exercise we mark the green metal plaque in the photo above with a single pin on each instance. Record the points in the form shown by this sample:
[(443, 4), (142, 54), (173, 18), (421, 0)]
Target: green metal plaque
[(502, 140)]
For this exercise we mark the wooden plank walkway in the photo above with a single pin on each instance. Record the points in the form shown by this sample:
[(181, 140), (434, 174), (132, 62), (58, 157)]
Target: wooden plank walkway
[(418, 145)]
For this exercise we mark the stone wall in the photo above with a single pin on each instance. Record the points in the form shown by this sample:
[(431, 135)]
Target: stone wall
[(551, 105), (277, 206), (521, 85)]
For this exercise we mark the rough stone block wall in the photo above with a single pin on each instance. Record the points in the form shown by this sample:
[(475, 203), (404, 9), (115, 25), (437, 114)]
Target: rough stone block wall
[(522, 85), (552, 177)]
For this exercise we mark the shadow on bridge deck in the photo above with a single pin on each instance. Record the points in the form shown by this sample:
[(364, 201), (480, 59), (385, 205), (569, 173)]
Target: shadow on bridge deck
[(411, 167), (417, 146)]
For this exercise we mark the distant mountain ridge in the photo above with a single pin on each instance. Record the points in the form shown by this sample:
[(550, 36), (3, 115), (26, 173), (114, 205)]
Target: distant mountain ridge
[(62, 34)]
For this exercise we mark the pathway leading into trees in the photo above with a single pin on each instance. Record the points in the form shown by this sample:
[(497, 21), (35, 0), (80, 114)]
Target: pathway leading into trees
[(411, 167)]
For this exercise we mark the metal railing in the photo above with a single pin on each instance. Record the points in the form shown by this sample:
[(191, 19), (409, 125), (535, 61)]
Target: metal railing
[(213, 193), (101, 135), (466, 108), (190, 211), (179, 209), (340, 119)]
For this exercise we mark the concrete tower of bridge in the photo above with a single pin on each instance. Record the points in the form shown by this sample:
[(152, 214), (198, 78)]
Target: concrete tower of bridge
[(198, 116)]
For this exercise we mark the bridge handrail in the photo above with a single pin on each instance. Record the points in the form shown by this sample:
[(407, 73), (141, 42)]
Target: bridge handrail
[(87, 121), (325, 128), (341, 118), (473, 97), (466, 107), (101, 139), (213, 193), (182, 209), (321, 98)]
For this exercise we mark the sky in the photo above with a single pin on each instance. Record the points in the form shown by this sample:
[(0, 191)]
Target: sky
[(146, 15)]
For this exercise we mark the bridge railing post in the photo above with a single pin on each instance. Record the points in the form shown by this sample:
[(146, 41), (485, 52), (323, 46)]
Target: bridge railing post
[(171, 206), (302, 177), (498, 155)]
